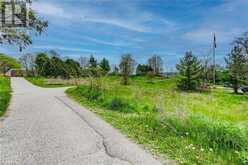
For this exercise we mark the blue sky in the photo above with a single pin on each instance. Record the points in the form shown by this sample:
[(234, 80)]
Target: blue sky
[(110, 28)]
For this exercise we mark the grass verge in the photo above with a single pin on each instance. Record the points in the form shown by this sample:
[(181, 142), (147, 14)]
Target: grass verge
[(47, 83), (4, 94)]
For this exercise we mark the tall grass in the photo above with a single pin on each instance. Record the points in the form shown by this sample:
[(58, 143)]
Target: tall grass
[(192, 128), (4, 94)]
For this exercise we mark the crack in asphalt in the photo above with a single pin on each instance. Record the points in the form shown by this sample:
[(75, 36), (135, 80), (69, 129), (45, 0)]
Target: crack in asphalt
[(105, 147)]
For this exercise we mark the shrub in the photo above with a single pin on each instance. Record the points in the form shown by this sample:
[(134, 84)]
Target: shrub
[(120, 105), (93, 94), (90, 93)]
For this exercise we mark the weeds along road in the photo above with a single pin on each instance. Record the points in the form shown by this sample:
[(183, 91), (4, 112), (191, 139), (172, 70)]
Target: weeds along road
[(43, 126)]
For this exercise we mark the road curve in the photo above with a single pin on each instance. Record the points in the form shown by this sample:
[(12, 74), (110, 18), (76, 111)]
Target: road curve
[(44, 127)]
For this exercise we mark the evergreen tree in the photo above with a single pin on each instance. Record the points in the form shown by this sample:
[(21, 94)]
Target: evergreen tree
[(142, 69), (236, 64), (190, 70), (242, 42), (104, 64), (92, 62)]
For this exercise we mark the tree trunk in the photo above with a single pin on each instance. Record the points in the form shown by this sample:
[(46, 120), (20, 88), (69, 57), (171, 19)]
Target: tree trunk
[(125, 79), (235, 86), (235, 90)]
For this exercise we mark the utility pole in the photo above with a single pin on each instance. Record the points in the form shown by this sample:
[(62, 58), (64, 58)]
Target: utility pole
[(214, 47)]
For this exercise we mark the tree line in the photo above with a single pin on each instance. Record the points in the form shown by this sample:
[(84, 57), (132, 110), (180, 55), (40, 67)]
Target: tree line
[(193, 73), (50, 64)]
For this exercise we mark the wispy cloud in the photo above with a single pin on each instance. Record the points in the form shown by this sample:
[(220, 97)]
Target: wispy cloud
[(140, 27), (62, 48), (226, 20), (118, 22), (103, 42), (131, 18), (50, 9), (205, 35)]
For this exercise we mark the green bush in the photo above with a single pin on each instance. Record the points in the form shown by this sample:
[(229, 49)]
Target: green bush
[(93, 94), (108, 102), (90, 93), (119, 105)]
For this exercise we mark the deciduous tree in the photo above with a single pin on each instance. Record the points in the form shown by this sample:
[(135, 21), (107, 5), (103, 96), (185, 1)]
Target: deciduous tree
[(28, 62), (58, 68), (73, 69), (21, 36), (156, 63), (84, 62), (127, 66), (43, 65)]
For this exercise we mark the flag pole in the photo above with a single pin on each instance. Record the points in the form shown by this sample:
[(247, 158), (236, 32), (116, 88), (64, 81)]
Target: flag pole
[(214, 47)]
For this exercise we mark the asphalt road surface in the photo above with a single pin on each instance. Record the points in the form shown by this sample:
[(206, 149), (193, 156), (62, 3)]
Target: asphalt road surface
[(44, 127)]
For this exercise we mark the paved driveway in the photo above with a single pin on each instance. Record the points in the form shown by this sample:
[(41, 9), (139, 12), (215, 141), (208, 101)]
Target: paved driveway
[(44, 127)]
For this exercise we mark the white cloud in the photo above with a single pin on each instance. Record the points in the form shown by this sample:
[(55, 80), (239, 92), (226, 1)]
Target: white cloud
[(49, 9), (120, 23), (205, 35), (227, 21), (105, 42), (62, 48), (127, 16)]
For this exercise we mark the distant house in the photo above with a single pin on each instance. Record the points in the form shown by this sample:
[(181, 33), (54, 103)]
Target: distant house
[(16, 73)]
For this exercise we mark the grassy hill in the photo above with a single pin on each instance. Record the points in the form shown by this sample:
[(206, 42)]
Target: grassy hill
[(8, 62)]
